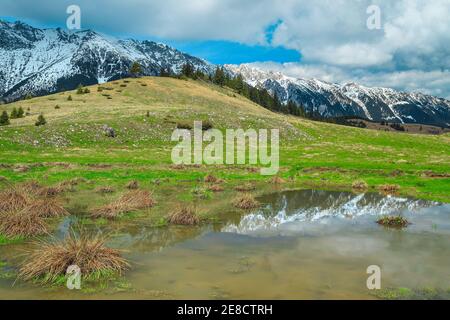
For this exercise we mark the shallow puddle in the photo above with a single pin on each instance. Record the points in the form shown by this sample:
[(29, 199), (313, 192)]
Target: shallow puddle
[(300, 245)]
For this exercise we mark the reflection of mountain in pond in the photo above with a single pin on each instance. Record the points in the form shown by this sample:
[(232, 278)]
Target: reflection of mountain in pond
[(143, 239), (313, 205)]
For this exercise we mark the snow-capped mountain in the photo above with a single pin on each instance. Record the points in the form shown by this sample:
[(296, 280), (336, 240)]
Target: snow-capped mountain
[(42, 61), (351, 99)]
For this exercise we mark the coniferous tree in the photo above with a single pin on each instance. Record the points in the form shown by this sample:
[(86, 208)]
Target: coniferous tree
[(13, 113), (4, 119), (80, 89), (219, 77), (40, 121), (276, 103), (239, 84), (20, 112), (187, 70), (135, 69), (164, 72)]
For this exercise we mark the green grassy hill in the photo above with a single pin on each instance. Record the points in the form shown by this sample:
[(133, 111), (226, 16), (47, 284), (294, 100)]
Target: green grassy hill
[(145, 111)]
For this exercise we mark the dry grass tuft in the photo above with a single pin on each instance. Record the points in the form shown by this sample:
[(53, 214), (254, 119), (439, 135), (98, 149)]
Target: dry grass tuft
[(246, 201), (216, 188), (50, 260), (360, 185), (133, 200), (277, 180), (50, 191), (21, 224), (245, 187), (393, 222), (184, 215), (389, 188), (46, 208), (132, 185), (104, 190), (13, 200), (31, 187), (211, 179)]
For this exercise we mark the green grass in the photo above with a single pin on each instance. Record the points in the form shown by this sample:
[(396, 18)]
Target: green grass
[(6, 240), (316, 155)]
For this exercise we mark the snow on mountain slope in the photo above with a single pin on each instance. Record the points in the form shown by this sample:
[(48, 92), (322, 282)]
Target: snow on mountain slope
[(42, 61), (350, 99)]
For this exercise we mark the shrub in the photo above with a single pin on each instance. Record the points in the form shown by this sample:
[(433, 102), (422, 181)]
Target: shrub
[(40, 121), (69, 98), (4, 119), (57, 107), (184, 125), (86, 90), (206, 125), (184, 215), (51, 259)]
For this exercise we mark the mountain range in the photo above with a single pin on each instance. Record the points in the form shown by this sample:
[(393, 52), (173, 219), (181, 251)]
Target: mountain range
[(43, 61), (332, 100)]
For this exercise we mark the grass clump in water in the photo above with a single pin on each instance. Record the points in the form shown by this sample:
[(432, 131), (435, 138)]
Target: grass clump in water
[(389, 189), (131, 201), (46, 208), (13, 200), (245, 187), (22, 224), (360, 185), (246, 201), (50, 260), (393, 222), (184, 215)]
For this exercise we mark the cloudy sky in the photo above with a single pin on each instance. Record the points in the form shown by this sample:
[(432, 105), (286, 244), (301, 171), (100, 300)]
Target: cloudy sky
[(326, 39)]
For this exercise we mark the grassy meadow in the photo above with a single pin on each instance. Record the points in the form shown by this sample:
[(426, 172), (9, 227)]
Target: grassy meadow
[(144, 112), (70, 169)]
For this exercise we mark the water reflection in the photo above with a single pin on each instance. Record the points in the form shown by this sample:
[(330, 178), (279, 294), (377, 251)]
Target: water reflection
[(308, 206)]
